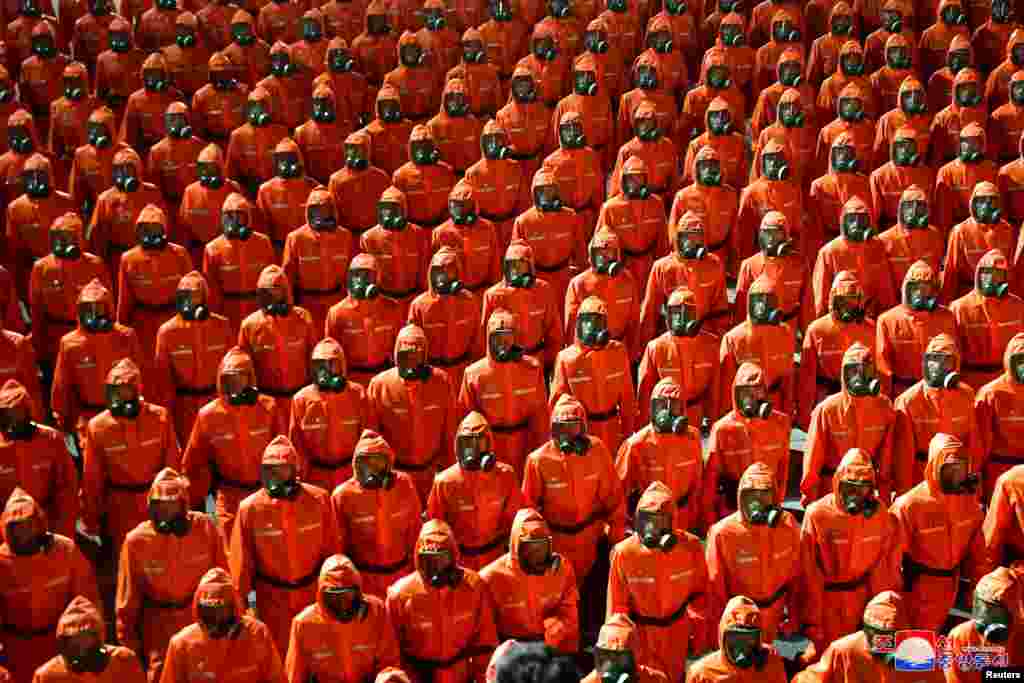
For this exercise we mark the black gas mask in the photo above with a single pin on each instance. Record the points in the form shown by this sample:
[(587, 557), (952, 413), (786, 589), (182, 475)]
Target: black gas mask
[(185, 38), (953, 15), (411, 55), (1001, 12), (345, 603), (65, 244), (634, 186), (27, 537), (545, 198), (940, 371), (377, 24), (210, 175), (720, 122), (120, 42), (125, 178), (412, 365), (592, 330), (668, 416), (752, 401), (274, 301), (844, 159), (898, 58), (456, 105), (618, 6), (742, 646), (861, 379), (848, 309), (785, 32), (570, 436), (774, 166), (852, 64), (463, 212), (791, 74), (560, 9), (473, 52), (321, 217), (356, 158), (287, 165), (773, 241), (584, 83), (424, 152), (841, 25), (759, 507), (646, 77), (327, 375), (763, 308), (438, 569), (389, 111), (474, 452), (323, 110), (1017, 93), (992, 282), (857, 227), (536, 555), (19, 140), (235, 225), (168, 516), (123, 400), (518, 273), (654, 529), (362, 283), (914, 214), (1017, 368), (218, 618), (501, 10), (177, 126), (372, 470), (84, 652), (154, 80), (339, 61), (595, 42), (731, 35), (571, 136), (256, 113), (311, 31), (992, 620), (44, 47), (151, 236), (690, 245), (647, 129), (606, 260), (956, 478), (445, 280), (790, 115), (94, 317), (892, 21), (37, 183), (503, 347), (390, 215), (904, 153), (967, 95), (676, 7), (660, 42), (615, 666), (100, 8), (434, 20), (281, 65), (240, 388), (495, 146), (191, 305), (851, 109), (16, 424), (858, 498), (682, 321), (280, 480), (1017, 54), (718, 77), (524, 90), (74, 89), (920, 296), (985, 209)]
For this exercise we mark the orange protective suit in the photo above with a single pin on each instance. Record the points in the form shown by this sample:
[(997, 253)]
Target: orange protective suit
[(155, 28), (874, 43), (518, 613), (112, 230), (481, 79), (280, 346), (159, 573), (672, 459), (304, 524), (506, 40), (355, 191), (970, 240), (767, 103), (318, 140), (538, 318), (12, 163), (891, 181), (188, 67), (834, 86), (376, 53), (904, 333), (747, 558), (594, 111), (250, 154), (669, 608), (843, 422), (664, 101), (933, 565), (578, 175), (146, 285), (741, 56), (279, 21), (985, 326), (903, 243), (995, 405), (768, 54), (403, 254), (118, 74), (660, 156), (199, 219), (462, 613), (248, 655), (378, 525), (457, 137), (501, 186), (639, 224), (216, 113), (417, 416), (1005, 127), (287, 89), (67, 121), (1004, 534), (704, 276), (692, 361), (426, 186), (355, 102), (737, 441), (867, 260), (171, 164), (415, 84), (728, 151), (1000, 587), (619, 292), (480, 504), (39, 82), (54, 287), (799, 141), (528, 124), (887, 80), (695, 106), (440, 42), (600, 378), (475, 240), (369, 633), (40, 464), (90, 36), (949, 126), (830, 193), (226, 446), (846, 558), (143, 123), (935, 39), (823, 60), (741, 612), (41, 585), (115, 487), (83, 361), (233, 266), (764, 195), (215, 23), (365, 328), (580, 497), (826, 340), (509, 394), (250, 62), (923, 411), (281, 199)]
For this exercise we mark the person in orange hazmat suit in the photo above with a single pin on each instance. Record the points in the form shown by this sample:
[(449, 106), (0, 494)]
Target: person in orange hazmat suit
[(90, 31), (375, 49), (775, 189), (527, 120), (44, 571), (161, 562), (479, 74), (215, 23), (500, 187), (365, 322), (199, 207), (715, 83), (172, 164), (905, 330), (39, 81), (154, 29), (1004, 534), (474, 239), (995, 404), (792, 132), (649, 78), (950, 21), (317, 137), (414, 404), (666, 451), (851, 117), (851, 71), (114, 488), (68, 116), (346, 80), (895, 17), (285, 85), (118, 69), (414, 79), (940, 403), (909, 120), (592, 106), (710, 195), (456, 129), (478, 496), (825, 342), (656, 149), (425, 179), (742, 656), (904, 171), (282, 198), (756, 551), (829, 193), (823, 60), (888, 79), (251, 147), (188, 56), (231, 645), (219, 107), (248, 53), (576, 168), (850, 549), (401, 247), (23, 142), (1007, 123), (952, 127), (234, 261), (378, 515), (983, 231), (279, 22), (571, 480), (997, 86), (357, 186), (143, 123), (786, 34), (636, 216), (439, 39), (225, 448), (789, 72), (309, 53), (992, 622)]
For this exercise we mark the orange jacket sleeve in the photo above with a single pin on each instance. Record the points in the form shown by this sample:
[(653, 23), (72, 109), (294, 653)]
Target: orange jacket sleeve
[(128, 604), (195, 463)]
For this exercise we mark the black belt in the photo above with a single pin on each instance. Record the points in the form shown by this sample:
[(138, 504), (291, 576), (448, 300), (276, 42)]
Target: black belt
[(279, 393), (561, 265), (195, 391), (983, 367), (603, 417), (786, 317), (827, 471), (151, 603), (664, 622), (512, 428), (573, 529), (450, 362), (134, 488), (306, 580), (1005, 459), (240, 295), (96, 407), (642, 252), (773, 598), (428, 666), (325, 465), (845, 586), (382, 568), (371, 368), (913, 569), (921, 456), (524, 156), (398, 294), (320, 292), (832, 385), (476, 551), (478, 287), (26, 634), (156, 308)]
